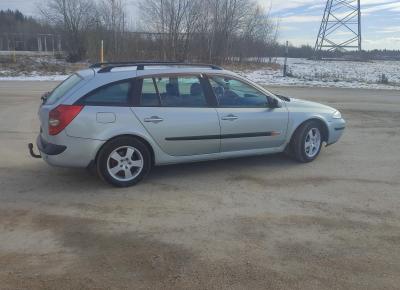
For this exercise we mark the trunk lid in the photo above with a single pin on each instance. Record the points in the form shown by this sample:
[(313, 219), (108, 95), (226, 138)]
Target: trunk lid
[(52, 99)]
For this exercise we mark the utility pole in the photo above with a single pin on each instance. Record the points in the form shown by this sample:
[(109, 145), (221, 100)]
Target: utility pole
[(359, 26), (285, 68), (341, 17)]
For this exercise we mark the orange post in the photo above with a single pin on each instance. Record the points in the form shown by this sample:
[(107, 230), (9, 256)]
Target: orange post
[(102, 51)]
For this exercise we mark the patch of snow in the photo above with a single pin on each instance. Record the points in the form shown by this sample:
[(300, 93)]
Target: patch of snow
[(342, 74), (303, 72), (34, 78)]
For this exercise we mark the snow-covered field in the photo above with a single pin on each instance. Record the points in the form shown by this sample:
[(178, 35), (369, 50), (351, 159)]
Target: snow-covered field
[(34, 76), (303, 72), (346, 74)]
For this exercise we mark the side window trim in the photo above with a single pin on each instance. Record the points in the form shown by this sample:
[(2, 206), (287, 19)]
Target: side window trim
[(239, 80), (210, 96), (211, 102), (157, 92), (131, 81), (136, 92)]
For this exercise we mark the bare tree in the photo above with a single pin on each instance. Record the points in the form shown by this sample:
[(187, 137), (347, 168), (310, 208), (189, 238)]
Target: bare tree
[(213, 29), (228, 17), (74, 17), (257, 34), (112, 16), (175, 21), (217, 31)]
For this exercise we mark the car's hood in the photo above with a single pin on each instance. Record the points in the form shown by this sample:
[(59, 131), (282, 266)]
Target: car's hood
[(298, 103)]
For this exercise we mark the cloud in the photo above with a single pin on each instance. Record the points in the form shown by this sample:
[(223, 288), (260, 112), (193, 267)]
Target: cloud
[(27, 7), (301, 19), (367, 6), (389, 29), (288, 28), (394, 6), (279, 5)]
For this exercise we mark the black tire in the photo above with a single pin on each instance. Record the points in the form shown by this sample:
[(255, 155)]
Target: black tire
[(297, 148), (110, 147)]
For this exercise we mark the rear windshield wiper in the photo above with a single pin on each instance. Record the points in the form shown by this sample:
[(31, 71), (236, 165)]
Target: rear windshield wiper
[(44, 97)]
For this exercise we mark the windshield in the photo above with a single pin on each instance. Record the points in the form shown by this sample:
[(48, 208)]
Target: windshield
[(63, 88)]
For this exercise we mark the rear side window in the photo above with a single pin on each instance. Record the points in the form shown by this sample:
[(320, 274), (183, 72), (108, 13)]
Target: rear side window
[(63, 88), (182, 91), (115, 94)]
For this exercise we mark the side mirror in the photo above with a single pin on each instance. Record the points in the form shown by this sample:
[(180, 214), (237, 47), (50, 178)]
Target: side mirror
[(275, 103)]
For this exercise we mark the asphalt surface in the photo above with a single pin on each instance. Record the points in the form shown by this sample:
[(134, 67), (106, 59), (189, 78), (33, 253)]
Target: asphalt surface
[(250, 223)]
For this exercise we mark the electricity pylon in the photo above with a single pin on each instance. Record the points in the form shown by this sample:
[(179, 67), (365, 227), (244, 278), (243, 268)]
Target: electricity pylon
[(340, 27)]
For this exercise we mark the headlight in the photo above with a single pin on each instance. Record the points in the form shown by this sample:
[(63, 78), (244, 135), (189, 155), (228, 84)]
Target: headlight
[(337, 115)]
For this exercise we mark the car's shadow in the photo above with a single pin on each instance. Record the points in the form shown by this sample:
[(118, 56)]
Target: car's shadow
[(38, 175), (276, 162)]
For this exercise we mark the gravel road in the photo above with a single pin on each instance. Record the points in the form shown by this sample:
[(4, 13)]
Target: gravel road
[(251, 223)]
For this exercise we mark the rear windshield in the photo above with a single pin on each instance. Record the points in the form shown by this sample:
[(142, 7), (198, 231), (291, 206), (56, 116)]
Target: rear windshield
[(63, 88)]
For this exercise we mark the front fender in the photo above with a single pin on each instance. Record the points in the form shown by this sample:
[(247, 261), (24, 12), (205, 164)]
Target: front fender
[(296, 122)]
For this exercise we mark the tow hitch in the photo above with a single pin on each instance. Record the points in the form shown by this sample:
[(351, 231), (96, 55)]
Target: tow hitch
[(33, 154)]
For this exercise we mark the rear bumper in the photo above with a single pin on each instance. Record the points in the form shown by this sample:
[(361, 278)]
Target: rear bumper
[(74, 152), (49, 148), (336, 130)]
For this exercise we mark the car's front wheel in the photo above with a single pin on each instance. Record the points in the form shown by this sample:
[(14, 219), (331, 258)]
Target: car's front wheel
[(307, 142), (124, 161)]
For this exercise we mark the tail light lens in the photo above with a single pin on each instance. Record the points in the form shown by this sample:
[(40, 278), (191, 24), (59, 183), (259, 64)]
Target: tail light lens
[(61, 116)]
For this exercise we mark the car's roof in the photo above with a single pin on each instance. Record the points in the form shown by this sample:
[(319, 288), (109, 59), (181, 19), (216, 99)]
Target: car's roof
[(180, 70), (131, 71)]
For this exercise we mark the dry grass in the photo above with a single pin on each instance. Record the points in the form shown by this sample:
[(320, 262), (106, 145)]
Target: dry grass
[(43, 65), (246, 66)]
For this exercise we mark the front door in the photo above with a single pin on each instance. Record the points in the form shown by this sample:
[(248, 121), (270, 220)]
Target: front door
[(247, 120), (176, 113)]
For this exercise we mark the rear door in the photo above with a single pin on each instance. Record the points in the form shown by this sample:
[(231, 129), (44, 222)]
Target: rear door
[(177, 113), (247, 121)]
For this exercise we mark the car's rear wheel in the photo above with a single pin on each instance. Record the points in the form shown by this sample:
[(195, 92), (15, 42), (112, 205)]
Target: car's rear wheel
[(124, 161), (307, 142)]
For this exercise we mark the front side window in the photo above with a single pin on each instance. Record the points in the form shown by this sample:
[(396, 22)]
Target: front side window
[(231, 92), (112, 94), (185, 91)]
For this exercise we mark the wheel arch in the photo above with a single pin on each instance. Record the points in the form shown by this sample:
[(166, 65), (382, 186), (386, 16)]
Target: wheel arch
[(324, 128), (140, 138)]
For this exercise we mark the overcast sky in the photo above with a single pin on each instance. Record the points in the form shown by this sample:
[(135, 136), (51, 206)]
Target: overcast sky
[(299, 19)]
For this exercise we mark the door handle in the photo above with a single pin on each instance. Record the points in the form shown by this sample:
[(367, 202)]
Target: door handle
[(230, 117), (153, 119)]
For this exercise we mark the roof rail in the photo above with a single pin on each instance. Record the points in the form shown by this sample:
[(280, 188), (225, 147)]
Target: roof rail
[(108, 66)]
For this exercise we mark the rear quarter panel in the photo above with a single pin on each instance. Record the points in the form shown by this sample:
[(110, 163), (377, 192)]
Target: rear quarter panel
[(104, 123)]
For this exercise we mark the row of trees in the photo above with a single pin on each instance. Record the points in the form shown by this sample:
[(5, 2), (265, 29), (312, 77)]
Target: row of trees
[(216, 31), (82, 23), (213, 30), (20, 32), (15, 21), (200, 30)]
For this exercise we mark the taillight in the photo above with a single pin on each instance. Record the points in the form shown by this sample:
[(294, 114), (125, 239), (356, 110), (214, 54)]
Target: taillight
[(60, 117)]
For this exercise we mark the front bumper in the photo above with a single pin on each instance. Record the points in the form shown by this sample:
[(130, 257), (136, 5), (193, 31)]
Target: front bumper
[(336, 130)]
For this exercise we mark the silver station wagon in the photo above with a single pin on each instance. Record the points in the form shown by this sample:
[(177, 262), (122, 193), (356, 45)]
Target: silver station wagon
[(124, 118)]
